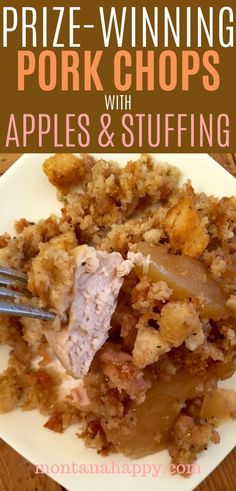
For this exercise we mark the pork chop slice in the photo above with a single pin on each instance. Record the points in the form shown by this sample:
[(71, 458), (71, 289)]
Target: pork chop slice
[(98, 277)]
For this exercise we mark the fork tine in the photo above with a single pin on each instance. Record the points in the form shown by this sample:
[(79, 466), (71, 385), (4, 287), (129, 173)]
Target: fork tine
[(12, 273), (6, 293), (10, 277), (5, 281), (8, 308)]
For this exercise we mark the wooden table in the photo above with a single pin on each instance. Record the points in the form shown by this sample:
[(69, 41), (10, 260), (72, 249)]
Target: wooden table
[(17, 474)]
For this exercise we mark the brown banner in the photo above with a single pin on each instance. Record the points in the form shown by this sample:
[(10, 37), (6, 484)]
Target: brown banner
[(95, 76)]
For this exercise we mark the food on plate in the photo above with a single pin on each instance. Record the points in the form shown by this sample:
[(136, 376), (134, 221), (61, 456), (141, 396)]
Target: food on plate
[(143, 269)]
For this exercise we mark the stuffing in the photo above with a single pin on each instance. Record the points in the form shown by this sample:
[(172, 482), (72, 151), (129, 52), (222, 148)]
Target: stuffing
[(32, 332), (189, 438), (184, 227), (147, 295), (50, 276), (10, 392), (64, 169), (223, 217), (179, 321), (218, 267), (121, 372), (21, 249), (148, 346)]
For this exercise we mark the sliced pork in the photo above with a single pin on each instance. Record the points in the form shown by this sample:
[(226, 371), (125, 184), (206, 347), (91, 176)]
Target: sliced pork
[(98, 277)]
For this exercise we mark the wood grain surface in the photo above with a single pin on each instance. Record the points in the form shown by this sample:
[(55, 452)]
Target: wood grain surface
[(17, 474)]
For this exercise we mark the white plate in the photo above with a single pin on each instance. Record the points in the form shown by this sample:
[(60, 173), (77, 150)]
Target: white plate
[(25, 192)]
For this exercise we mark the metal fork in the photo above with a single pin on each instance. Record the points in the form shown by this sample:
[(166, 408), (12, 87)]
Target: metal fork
[(13, 284)]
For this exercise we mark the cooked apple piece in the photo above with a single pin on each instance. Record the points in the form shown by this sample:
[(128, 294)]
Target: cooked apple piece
[(156, 415), (223, 370), (220, 405), (187, 277), (154, 420)]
